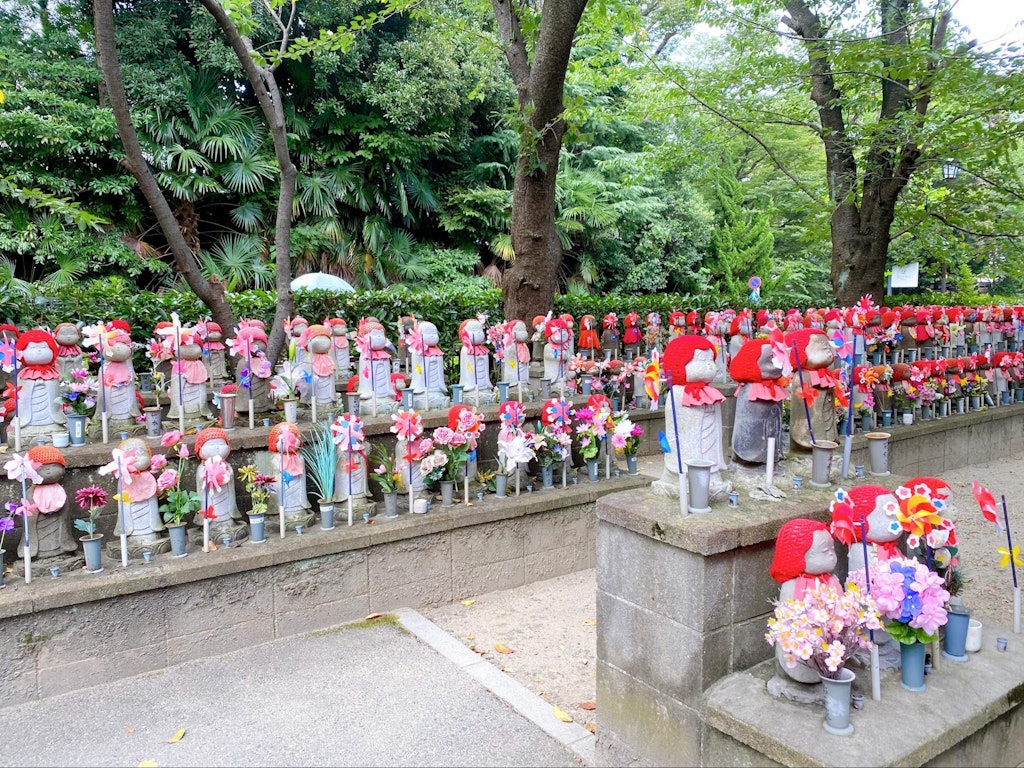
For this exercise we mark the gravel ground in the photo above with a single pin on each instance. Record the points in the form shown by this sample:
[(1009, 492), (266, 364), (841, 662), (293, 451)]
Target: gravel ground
[(550, 625)]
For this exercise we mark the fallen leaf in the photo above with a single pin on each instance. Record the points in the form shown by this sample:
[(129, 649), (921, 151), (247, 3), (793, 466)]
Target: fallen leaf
[(587, 705), (468, 602), (131, 730), (565, 718), (589, 622), (471, 638), (177, 737), (373, 616), (148, 764), (591, 727), (501, 648)]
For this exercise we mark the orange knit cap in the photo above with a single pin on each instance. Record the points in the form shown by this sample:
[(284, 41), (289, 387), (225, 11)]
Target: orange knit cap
[(46, 454), (211, 433), (275, 434)]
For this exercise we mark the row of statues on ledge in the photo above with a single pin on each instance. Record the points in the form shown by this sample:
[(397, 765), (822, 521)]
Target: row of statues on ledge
[(146, 479)]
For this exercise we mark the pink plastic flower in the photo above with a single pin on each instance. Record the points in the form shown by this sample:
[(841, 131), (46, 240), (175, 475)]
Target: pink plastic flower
[(167, 480), (158, 462), (170, 439)]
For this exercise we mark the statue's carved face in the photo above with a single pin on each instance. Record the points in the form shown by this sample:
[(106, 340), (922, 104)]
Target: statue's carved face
[(702, 367), (519, 331), (67, 335), (881, 521), (474, 331), (766, 363), (119, 352), (378, 340), (320, 344), (191, 351), (431, 337), (820, 352), (298, 329), (215, 447), (37, 353), (821, 555), (50, 474), (559, 336), (339, 329), (137, 446), (215, 335)]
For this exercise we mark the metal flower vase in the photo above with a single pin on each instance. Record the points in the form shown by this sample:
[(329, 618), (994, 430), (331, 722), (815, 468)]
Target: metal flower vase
[(93, 546), (878, 453), (837, 703), (912, 666), (699, 485), (326, 515), (257, 526), (821, 462), (501, 485), (447, 492), (954, 644)]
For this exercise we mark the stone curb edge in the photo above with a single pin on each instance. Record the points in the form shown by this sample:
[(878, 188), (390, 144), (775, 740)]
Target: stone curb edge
[(572, 736)]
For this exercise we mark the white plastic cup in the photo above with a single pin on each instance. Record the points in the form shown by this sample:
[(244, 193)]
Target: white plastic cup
[(973, 644)]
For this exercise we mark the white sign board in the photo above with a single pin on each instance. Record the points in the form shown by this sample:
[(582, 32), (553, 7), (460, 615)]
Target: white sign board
[(905, 276)]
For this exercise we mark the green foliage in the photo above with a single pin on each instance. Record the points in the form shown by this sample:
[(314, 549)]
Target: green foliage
[(742, 239), (321, 455)]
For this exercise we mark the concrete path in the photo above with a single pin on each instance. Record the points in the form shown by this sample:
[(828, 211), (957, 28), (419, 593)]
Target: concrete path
[(377, 693)]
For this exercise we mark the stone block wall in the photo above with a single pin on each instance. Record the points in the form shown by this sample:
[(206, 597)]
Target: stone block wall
[(84, 629)]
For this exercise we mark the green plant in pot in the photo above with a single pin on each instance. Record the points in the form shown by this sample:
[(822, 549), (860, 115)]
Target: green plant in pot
[(321, 456), (177, 502)]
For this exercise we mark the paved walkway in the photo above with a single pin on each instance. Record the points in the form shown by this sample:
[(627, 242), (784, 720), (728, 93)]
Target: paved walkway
[(369, 694)]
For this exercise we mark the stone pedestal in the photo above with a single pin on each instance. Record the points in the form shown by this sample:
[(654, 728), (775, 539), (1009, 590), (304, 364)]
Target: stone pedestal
[(682, 601)]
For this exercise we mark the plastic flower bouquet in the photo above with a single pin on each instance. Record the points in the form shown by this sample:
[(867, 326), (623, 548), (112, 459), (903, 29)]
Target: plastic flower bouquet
[(178, 502), (551, 444), (590, 429), (78, 393), (910, 596), (384, 468), (626, 435), (454, 444), (259, 486), (825, 628), (515, 447)]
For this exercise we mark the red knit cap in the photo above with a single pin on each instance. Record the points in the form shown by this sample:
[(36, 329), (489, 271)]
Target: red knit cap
[(889, 317), (900, 371), (676, 318), (211, 433), (693, 319), (798, 341), (551, 325), (679, 352), (791, 545), (353, 384), (37, 334), (744, 368), (46, 454), (762, 317), (937, 487), (597, 401)]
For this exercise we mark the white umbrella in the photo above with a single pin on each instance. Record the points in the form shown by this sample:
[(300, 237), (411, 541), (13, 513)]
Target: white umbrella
[(321, 281)]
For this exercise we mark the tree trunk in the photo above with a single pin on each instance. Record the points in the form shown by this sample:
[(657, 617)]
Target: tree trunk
[(210, 292), (858, 257), (530, 283), (264, 85)]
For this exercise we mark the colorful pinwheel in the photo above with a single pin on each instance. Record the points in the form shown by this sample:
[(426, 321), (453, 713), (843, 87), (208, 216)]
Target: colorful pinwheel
[(408, 424), (987, 502), (1010, 556), (22, 468), (347, 431), (557, 411)]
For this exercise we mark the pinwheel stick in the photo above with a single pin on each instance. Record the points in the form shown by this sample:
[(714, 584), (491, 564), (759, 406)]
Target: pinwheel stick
[(876, 678), (104, 420), (607, 459), (848, 443), (17, 415), (684, 496), (312, 398), (26, 544), (807, 408), (465, 480), (349, 473), (252, 414), (120, 515), (280, 497), (181, 387), (408, 458), (1013, 569), (206, 519)]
